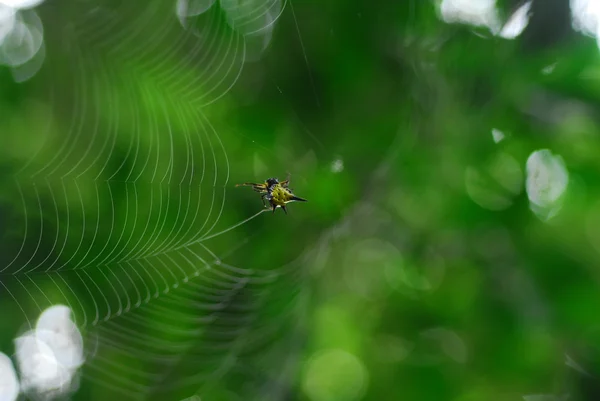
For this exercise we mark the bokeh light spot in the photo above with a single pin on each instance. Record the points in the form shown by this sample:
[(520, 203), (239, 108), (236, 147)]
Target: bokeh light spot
[(334, 375), (191, 8), (9, 384), (21, 4), (546, 184), (517, 22), (472, 12), (497, 135), (586, 16), (337, 166), (494, 186), (49, 356)]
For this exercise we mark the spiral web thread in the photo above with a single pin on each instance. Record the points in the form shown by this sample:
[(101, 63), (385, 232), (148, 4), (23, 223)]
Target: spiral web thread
[(113, 224)]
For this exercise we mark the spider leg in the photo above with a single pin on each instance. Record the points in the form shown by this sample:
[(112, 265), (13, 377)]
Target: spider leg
[(286, 183), (263, 199), (260, 188), (297, 199), (248, 184)]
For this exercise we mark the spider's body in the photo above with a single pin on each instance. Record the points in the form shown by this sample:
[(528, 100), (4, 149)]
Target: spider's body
[(278, 194)]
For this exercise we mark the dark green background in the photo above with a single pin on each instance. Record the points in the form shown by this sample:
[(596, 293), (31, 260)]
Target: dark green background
[(119, 161)]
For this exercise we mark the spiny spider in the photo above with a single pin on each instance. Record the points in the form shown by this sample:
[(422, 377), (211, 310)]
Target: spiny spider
[(275, 192)]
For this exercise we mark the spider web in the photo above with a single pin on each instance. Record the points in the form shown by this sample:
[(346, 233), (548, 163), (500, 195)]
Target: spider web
[(117, 222)]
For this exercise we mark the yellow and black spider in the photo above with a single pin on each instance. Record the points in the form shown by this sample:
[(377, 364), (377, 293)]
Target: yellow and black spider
[(275, 192)]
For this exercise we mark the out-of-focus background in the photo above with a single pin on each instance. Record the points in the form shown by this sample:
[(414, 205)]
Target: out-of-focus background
[(449, 151)]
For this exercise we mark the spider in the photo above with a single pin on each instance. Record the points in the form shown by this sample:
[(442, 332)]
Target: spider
[(275, 192)]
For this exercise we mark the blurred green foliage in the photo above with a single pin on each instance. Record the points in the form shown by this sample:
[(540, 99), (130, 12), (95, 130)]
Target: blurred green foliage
[(417, 272)]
